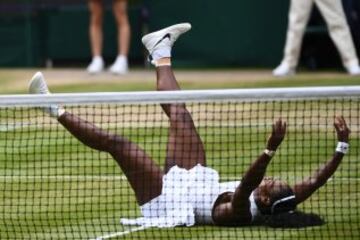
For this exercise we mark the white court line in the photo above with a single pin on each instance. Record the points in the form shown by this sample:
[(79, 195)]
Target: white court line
[(119, 234)]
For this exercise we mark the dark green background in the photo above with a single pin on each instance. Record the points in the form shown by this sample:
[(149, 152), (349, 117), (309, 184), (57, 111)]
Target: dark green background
[(231, 32), (245, 33)]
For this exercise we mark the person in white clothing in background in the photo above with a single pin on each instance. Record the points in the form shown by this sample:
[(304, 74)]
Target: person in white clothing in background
[(333, 13), (120, 66)]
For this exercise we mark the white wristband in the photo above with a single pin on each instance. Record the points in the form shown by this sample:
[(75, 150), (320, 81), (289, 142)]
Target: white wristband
[(342, 147), (270, 153)]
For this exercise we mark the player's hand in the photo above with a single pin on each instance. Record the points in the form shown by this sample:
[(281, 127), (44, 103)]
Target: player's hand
[(342, 129), (277, 135)]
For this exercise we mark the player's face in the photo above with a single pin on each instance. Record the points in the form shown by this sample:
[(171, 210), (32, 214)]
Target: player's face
[(268, 188)]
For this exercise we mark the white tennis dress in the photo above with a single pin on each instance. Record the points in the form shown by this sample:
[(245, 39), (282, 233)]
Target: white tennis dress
[(187, 197)]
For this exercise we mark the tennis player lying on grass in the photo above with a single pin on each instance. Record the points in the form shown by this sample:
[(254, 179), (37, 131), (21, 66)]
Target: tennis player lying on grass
[(187, 192)]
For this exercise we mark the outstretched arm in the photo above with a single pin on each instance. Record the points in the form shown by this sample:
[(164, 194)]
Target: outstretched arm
[(306, 188), (256, 172), (237, 211)]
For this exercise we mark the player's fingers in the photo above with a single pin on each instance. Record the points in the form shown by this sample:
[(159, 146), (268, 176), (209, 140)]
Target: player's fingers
[(278, 124), (343, 121), (339, 122), (336, 125), (284, 127), (338, 119), (273, 128)]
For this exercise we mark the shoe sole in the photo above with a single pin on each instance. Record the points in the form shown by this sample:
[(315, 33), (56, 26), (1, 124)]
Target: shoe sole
[(181, 28)]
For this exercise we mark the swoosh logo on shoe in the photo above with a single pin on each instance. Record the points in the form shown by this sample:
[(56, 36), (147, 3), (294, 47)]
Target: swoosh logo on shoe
[(163, 38)]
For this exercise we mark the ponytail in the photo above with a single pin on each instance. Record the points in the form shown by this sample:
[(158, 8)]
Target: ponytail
[(294, 219)]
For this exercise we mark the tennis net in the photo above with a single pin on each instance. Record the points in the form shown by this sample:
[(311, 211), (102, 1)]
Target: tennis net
[(55, 187)]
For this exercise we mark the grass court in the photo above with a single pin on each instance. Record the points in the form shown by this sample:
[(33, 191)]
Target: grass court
[(53, 187)]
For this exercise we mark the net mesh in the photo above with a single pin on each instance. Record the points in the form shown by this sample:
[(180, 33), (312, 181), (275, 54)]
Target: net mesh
[(55, 187)]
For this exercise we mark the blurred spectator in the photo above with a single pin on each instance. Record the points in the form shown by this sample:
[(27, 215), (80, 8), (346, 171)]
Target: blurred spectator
[(333, 13), (352, 11), (120, 66)]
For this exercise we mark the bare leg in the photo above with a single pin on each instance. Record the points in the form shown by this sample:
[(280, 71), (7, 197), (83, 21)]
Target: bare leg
[(123, 26), (95, 31), (144, 176), (185, 148)]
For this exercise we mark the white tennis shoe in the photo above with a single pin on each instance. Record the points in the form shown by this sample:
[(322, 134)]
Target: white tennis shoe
[(353, 69), (284, 70), (38, 85), (164, 38), (96, 66), (120, 66)]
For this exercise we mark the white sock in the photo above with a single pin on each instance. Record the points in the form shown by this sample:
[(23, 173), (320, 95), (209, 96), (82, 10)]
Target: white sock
[(97, 58), (160, 53), (55, 111), (119, 57), (160, 64), (60, 112)]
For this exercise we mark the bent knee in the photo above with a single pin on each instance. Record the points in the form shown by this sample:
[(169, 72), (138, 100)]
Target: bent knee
[(180, 115), (111, 143)]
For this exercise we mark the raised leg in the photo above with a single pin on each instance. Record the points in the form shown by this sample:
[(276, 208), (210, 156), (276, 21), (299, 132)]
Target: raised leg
[(184, 148), (144, 176)]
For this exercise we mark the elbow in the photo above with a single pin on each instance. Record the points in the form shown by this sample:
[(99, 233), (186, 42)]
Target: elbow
[(316, 183), (249, 184)]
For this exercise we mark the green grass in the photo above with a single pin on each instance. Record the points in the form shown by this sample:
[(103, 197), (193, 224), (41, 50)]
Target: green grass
[(194, 85), (53, 187), (85, 207), (144, 81), (295, 82)]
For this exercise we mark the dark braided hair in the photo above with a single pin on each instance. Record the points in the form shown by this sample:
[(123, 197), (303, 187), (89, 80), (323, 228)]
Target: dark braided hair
[(293, 219)]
